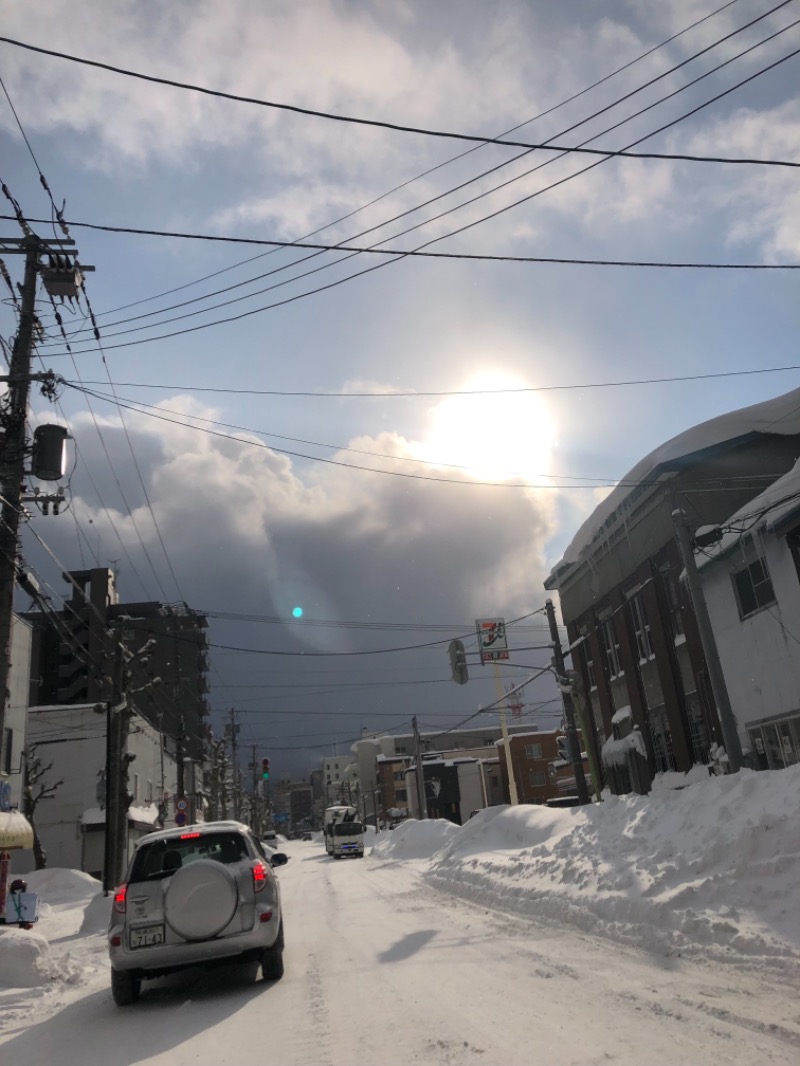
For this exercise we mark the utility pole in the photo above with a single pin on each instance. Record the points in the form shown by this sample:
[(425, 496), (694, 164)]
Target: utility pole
[(727, 721), (65, 280), (13, 463), (180, 750), (565, 685), (232, 729), (119, 712), (422, 804)]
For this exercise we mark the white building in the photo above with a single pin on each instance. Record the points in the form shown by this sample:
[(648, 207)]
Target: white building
[(339, 776), (71, 823), (751, 580), (13, 739)]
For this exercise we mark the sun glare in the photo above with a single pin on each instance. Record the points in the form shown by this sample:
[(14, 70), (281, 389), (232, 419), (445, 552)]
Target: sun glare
[(495, 435)]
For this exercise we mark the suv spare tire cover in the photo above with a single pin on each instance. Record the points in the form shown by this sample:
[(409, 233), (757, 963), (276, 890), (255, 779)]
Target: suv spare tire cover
[(201, 899)]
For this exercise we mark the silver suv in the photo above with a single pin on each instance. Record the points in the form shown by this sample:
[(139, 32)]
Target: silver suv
[(195, 895)]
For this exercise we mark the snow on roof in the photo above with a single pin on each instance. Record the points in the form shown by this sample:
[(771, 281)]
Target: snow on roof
[(780, 416), (536, 734), (780, 501), (141, 815), (621, 715)]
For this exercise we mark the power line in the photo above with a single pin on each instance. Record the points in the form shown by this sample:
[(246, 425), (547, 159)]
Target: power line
[(397, 127), (462, 229), (398, 253), (542, 114), (397, 394), (555, 481)]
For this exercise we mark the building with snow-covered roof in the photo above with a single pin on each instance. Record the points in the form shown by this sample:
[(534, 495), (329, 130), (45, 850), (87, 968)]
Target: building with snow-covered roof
[(751, 580), (633, 636)]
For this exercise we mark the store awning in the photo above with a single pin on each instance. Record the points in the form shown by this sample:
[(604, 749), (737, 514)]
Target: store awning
[(15, 831)]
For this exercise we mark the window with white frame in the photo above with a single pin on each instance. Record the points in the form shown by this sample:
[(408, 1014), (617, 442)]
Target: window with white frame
[(533, 751), (641, 628), (611, 648), (752, 584), (537, 778)]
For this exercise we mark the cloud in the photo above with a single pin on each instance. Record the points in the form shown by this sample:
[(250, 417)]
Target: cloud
[(248, 531)]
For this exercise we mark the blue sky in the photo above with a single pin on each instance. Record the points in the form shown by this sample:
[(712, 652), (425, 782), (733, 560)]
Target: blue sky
[(249, 530)]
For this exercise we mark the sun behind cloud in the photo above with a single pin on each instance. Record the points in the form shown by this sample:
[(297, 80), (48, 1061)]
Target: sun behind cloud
[(494, 435)]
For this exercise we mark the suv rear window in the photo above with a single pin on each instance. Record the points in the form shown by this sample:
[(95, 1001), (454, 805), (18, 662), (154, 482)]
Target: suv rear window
[(162, 858)]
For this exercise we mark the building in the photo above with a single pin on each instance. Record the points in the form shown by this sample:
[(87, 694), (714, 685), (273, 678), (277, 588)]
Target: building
[(71, 740), (72, 656), (632, 631), (338, 778), (541, 772), (12, 743), (454, 788), (371, 751), (751, 581)]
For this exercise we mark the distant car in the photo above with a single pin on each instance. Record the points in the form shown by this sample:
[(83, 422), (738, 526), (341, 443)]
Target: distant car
[(199, 894), (270, 838), (306, 836)]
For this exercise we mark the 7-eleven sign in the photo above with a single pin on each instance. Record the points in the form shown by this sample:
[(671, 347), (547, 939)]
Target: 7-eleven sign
[(492, 640)]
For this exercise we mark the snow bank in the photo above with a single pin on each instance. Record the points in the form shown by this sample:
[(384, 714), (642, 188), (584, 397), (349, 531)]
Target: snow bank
[(413, 839), (58, 886), (715, 864), (70, 903), (26, 960)]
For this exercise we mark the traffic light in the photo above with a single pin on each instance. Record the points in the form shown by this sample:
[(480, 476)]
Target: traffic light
[(265, 769), (458, 662)]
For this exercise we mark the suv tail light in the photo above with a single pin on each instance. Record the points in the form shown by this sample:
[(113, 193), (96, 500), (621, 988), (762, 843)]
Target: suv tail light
[(260, 875), (120, 899)]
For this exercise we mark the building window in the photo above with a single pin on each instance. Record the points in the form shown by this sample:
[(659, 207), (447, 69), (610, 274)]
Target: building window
[(589, 661), (401, 795), (641, 629), (8, 744), (149, 792), (753, 587), (611, 648), (537, 778), (533, 751), (401, 749), (135, 788), (675, 608)]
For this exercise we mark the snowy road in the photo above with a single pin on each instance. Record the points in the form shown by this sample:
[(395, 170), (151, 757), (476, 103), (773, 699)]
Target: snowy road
[(383, 969)]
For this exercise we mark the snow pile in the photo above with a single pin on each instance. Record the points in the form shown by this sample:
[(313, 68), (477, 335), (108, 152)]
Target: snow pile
[(413, 840), (715, 864), (57, 886), (26, 959), (70, 903)]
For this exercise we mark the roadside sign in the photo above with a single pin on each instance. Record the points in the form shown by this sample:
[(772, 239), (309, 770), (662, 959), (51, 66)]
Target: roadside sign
[(180, 818), (181, 804), (492, 640)]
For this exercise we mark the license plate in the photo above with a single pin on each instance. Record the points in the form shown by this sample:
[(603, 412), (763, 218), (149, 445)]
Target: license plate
[(147, 935)]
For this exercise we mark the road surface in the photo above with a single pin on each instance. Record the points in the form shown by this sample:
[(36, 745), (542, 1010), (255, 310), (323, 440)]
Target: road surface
[(382, 969)]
